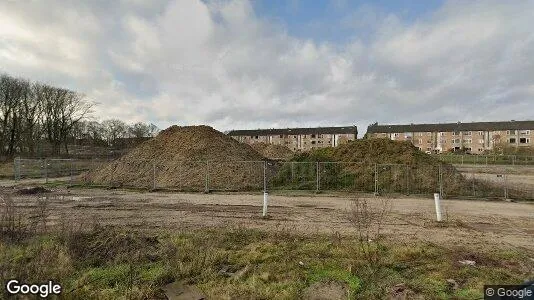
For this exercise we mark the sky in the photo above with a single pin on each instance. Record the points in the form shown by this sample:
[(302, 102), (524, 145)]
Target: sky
[(247, 64)]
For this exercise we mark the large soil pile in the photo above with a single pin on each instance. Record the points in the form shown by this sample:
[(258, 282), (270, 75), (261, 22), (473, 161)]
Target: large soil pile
[(275, 152), (185, 158)]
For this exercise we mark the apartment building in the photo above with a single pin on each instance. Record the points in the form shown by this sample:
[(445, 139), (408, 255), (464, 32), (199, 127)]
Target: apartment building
[(298, 138), (475, 138)]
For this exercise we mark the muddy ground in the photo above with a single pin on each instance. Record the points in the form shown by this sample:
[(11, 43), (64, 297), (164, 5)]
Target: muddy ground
[(477, 224)]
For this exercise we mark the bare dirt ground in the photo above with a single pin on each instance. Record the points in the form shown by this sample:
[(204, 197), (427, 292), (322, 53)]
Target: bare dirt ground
[(477, 224), (516, 176)]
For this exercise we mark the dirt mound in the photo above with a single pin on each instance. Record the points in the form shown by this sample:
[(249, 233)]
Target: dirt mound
[(371, 151), (186, 158), (383, 165), (275, 152)]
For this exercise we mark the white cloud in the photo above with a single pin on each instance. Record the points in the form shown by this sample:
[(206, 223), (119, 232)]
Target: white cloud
[(192, 62)]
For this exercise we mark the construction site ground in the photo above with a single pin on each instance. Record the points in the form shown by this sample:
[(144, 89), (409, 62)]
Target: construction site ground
[(472, 223)]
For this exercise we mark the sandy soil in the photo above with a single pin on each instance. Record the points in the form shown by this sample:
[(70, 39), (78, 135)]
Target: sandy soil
[(471, 223)]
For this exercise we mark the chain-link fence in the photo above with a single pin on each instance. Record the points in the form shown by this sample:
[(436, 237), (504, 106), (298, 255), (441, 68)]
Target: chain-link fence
[(206, 176), (467, 159), (53, 168)]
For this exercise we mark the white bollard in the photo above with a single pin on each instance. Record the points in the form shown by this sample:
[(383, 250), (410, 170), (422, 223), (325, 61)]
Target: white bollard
[(437, 201), (265, 200)]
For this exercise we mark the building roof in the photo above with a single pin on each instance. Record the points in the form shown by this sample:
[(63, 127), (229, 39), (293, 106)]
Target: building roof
[(451, 127), (296, 131)]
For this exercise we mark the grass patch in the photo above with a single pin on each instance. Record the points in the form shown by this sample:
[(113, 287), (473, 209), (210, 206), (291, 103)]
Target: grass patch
[(108, 263)]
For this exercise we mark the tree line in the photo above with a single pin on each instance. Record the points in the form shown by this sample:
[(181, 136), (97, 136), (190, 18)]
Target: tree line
[(35, 115)]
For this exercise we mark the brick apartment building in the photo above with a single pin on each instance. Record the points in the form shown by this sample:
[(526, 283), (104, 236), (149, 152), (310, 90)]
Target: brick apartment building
[(475, 138), (298, 138)]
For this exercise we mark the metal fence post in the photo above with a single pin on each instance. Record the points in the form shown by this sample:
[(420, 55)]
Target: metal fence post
[(440, 179), (154, 176), (46, 170), (16, 165), (376, 180), (207, 184), (317, 177), (474, 189), (407, 180), (70, 170), (505, 187)]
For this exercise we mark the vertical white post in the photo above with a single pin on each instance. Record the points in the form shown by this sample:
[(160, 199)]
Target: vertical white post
[(265, 194), (437, 202)]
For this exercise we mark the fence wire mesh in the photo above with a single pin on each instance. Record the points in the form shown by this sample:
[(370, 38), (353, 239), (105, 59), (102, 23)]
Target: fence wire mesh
[(477, 181)]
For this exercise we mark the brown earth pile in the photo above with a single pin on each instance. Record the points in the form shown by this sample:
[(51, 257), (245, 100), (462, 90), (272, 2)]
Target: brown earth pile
[(186, 158), (400, 165), (275, 152)]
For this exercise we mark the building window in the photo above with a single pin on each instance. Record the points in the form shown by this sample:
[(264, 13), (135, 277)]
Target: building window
[(481, 141), (468, 141), (313, 142), (395, 134), (420, 141), (511, 132), (441, 133), (524, 132), (456, 141), (456, 133), (512, 140), (524, 141), (467, 132), (256, 137), (313, 136), (281, 136)]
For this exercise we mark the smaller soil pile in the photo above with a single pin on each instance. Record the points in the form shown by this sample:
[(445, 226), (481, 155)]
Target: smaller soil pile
[(274, 152), (371, 151), (396, 167), (188, 158)]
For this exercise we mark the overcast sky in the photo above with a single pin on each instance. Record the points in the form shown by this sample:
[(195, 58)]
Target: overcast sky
[(252, 64)]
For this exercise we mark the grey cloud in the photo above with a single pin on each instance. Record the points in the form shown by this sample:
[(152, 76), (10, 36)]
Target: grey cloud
[(216, 62)]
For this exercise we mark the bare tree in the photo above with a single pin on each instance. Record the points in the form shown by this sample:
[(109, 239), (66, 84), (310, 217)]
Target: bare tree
[(114, 129), (62, 109)]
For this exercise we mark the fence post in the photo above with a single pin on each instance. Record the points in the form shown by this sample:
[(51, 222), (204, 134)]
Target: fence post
[(486, 160), (474, 190), (317, 177), (462, 159), (376, 180), (505, 187), (440, 179), (154, 176), (16, 165), (70, 170), (407, 180), (207, 187), (46, 170)]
